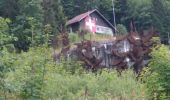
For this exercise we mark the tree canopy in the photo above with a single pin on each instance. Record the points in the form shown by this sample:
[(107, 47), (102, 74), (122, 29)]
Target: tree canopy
[(144, 13)]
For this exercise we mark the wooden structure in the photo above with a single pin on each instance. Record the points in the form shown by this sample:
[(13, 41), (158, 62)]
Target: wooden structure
[(91, 20)]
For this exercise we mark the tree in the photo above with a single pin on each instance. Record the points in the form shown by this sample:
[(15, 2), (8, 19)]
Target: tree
[(161, 17), (21, 25), (121, 10), (105, 7), (69, 8), (60, 18), (54, 15), (127, 11), (79, 6), (139, 11)]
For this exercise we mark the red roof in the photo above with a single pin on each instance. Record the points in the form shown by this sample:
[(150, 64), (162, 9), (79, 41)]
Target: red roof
[(79, 17)]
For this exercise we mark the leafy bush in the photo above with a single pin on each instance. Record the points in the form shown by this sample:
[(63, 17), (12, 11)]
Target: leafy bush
[(121, 29), (25, 77), (157, 75), (5, 37), (73, 37), (6, 65)]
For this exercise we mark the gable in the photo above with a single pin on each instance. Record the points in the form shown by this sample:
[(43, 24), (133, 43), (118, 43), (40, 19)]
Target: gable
[(84, 15), (103, 26), (100, 20), (79, 18)]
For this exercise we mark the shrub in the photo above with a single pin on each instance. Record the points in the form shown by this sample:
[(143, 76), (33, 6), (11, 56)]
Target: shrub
[(25, 79), (73, 37), (121, 29), (5, 37), (6, 62), (157, 75)]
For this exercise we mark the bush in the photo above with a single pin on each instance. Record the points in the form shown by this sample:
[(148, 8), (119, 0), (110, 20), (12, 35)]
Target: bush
[(6, 65), (25, 77), (73, 37), (6, 38), (121, 29), (157, 75)]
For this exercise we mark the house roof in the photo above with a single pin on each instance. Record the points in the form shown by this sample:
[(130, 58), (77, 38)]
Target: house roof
[(84, 15)]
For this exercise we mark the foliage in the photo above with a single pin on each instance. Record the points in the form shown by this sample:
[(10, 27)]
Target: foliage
[(121, 10), (69, 66), (33, 75), (47, 31), (6, 38), (28, 24), (156, 75), (121, 29), (73, 37), (139, 12), (26, 71), (22, 25), (144, 13), (6, 62), (90, 86), (79, 6), (161, 16), (9, 8), (54, 15)]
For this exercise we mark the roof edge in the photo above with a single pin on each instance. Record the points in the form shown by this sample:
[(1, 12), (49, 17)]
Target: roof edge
[(69, 23), (90, 12), (105, 19)]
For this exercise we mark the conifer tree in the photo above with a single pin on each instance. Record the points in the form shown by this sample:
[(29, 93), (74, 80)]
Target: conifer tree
[(54, 15), (161, 17)]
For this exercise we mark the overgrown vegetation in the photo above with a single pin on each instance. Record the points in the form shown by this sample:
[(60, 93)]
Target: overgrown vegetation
[(34, 75), (156, 76), (27, 70)]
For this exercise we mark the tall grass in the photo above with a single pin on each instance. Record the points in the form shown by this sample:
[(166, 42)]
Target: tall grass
[(90, 86)]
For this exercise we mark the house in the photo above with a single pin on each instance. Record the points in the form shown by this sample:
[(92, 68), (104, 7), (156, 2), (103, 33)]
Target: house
[(92, 21)]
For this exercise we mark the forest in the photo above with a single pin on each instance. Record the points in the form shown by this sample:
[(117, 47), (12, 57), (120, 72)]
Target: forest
[(30, 29)]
